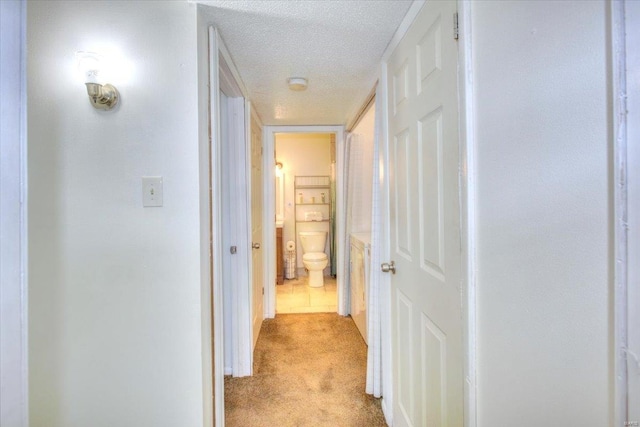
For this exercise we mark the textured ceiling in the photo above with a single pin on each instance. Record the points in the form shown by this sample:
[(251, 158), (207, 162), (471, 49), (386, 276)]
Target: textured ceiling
[(336, 45)]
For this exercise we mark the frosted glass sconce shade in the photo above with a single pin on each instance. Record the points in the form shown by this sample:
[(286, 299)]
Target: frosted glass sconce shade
[(101, 96)]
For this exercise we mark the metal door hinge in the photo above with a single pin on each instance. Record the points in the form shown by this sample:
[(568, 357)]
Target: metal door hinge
[(456, 26)]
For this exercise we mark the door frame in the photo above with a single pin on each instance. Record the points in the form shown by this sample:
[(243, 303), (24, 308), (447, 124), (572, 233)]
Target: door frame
[(269, 211), (223, 73), (625, 212), (468, 197), (631, 21), (215, 291), (14, 407)]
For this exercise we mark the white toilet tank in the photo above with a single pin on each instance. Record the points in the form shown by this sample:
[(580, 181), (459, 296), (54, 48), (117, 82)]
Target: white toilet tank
[(313, 241)]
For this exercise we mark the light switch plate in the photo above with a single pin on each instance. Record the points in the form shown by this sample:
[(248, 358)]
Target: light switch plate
[(151, 191)]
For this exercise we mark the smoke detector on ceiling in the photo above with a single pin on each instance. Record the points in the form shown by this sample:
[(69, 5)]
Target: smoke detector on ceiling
[(297, 83)]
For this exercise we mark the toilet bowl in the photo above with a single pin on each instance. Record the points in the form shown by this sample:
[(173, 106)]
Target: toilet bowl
[(313, 256)]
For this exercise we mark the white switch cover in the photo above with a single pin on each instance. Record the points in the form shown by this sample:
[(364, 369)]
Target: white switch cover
[(151, 191)]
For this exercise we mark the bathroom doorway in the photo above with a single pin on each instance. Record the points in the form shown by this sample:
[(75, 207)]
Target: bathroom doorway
[(305, 222), (314, 154)]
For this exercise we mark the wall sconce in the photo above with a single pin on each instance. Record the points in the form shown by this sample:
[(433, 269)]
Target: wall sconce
[(101, 96), (278, 168)]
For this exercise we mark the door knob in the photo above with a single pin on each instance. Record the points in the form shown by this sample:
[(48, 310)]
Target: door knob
[(256, 246), (388, 267)]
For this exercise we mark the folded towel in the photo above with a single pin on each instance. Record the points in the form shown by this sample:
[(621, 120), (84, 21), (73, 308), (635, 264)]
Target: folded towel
[(313, 216)]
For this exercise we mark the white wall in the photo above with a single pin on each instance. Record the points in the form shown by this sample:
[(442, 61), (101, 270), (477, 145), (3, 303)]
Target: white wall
[(301, 154), (543, 257), (114, 290)]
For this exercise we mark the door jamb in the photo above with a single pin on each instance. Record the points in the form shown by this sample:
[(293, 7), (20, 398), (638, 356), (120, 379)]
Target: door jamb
[(13, 218), (216, 224), (385, 291), (633, 170), (625, 199), (467, 177)]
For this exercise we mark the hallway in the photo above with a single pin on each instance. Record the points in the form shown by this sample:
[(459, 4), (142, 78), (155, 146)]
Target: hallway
[(309, 370), (114, 252)]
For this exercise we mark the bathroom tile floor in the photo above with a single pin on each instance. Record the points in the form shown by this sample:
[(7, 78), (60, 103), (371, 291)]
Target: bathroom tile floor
[(294, 296)]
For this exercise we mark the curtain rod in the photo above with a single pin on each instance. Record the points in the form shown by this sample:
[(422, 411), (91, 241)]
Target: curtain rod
[(363, 109)]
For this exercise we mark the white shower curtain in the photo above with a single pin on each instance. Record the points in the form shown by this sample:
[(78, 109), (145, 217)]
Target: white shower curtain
[(358, 156), (346, 244), (376, 277)]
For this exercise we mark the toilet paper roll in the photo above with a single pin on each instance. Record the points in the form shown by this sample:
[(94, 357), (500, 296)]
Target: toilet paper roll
[(291, 246)]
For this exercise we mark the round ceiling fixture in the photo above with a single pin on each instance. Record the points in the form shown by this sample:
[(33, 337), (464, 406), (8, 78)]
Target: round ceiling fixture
[(297, 83)]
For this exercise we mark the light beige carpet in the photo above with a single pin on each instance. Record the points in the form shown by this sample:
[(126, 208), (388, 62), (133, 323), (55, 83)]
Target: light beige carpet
[(309, 370)]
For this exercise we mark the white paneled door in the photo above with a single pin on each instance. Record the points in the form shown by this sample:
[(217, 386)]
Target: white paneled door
[(425, 222), (256, 229)]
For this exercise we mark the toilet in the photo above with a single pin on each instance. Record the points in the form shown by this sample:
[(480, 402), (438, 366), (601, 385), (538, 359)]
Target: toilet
[(313, 256)]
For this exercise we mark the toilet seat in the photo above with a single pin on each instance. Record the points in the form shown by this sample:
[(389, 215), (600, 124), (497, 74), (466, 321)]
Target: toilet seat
[(314, 256)]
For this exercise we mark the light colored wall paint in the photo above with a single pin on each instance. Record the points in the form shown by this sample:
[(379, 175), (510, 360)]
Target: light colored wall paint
[(115, 316), (540, 75), (301, 154)]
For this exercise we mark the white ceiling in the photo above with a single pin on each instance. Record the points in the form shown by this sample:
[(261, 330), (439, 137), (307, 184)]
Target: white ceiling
[(337, 45)]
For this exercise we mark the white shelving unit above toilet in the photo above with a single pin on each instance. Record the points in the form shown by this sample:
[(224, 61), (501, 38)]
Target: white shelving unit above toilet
[(309, 206)]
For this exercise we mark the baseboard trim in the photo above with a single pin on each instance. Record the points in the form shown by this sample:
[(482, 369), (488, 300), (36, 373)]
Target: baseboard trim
[(388, 414)]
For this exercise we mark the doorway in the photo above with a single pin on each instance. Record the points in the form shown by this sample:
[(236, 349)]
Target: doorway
[(269, 212), (305, 202)]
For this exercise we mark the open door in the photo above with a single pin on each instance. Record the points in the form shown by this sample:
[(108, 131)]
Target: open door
[(256, 229), (426, 311)]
